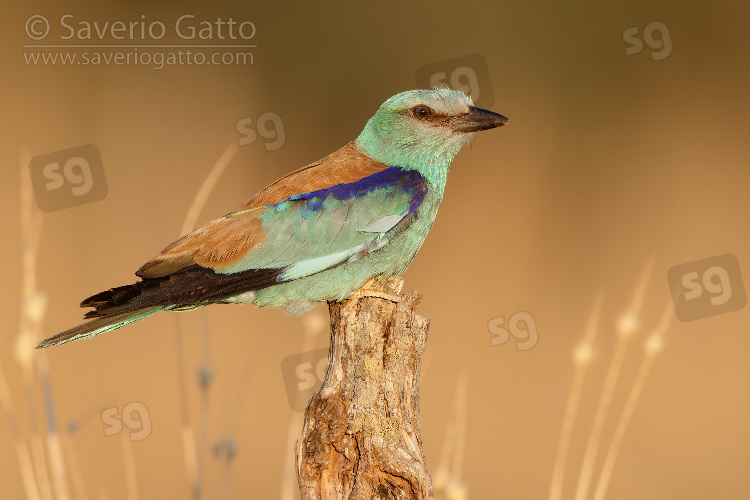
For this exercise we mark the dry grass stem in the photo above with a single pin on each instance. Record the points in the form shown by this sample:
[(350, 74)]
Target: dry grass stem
[(194, 458), (626, 328), (208, 185), (186, 429), (22, 451), (447, 478), (651, 347), (582, 357), (128, 459), (32, 312), (74, 467)]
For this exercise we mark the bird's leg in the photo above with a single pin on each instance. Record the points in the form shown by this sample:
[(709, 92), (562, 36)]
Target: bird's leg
[(366, 290)]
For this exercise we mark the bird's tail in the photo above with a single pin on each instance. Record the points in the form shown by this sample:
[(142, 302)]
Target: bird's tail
[(99, 325), (189, 288)]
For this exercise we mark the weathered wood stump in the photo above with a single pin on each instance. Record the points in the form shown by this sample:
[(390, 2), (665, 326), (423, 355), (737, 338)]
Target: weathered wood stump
[(361, 436)]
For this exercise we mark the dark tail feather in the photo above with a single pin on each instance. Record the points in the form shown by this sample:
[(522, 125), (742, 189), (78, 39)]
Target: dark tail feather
[(191, 287), (116, 300), (100, 325)]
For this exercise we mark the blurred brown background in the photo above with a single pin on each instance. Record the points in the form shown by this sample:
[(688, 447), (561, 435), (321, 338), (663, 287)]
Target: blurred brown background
[(609, 160)]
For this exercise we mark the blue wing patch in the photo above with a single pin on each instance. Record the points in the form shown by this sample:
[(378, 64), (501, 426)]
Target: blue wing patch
[(408, 181)]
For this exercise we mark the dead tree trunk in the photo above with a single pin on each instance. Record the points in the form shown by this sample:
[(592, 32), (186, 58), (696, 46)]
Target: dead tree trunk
[(361, 436)]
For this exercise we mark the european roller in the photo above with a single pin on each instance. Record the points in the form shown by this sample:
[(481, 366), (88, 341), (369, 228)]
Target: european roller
[(320, 233)]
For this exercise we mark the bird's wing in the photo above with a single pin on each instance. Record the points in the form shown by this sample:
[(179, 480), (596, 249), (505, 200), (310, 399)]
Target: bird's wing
[(334, 211)]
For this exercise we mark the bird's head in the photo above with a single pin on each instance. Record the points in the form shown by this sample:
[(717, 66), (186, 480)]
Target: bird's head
[(424, 130)]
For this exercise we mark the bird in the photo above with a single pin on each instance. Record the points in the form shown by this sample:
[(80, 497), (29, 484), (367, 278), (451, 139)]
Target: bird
[(320, 233)]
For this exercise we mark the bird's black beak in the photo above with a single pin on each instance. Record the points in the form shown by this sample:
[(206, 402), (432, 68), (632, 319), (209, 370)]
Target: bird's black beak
[(478, 119)]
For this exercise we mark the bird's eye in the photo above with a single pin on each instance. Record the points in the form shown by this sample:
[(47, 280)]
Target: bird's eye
[(422, 112)]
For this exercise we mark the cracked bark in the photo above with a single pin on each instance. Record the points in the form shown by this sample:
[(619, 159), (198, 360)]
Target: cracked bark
[(360, 439)]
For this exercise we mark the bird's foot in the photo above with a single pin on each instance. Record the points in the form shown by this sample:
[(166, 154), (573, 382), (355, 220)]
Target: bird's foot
[(366, 291)]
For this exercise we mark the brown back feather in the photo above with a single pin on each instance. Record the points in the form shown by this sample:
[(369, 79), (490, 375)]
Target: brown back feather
[(225, 241)]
